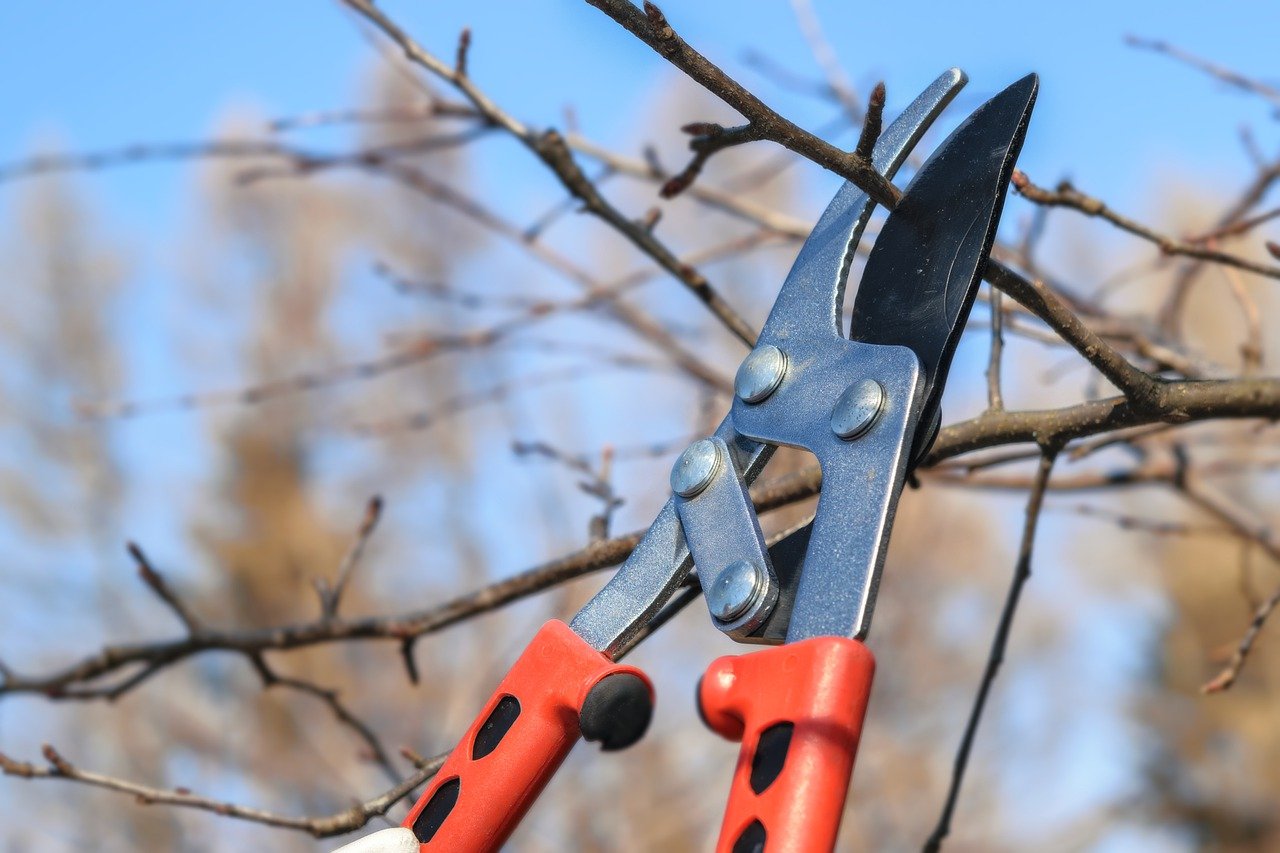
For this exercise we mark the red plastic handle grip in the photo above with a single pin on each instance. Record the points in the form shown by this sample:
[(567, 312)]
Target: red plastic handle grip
[(515, 745), (798, 710)]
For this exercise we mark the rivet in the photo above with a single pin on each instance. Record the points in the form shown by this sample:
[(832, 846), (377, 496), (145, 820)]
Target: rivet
[(857, 409), (696, 468), (735, 590), (760, 373)]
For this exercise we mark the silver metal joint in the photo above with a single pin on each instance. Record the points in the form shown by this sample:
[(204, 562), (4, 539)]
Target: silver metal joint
[(857, 409), (760, 374), (696, 468), (739, 587)]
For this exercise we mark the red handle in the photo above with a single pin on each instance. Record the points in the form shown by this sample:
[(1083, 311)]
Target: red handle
[(558, 690), (798, 710)]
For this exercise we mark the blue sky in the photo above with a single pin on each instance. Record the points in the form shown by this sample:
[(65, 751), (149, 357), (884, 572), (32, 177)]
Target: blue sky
[(110, 72)]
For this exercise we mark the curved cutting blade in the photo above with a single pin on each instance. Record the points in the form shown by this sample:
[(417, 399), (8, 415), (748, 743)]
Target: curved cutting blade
[(812, 296), (923, 273)]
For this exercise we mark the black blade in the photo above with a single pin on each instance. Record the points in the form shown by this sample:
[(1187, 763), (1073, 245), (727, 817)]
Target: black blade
[(923, 273)]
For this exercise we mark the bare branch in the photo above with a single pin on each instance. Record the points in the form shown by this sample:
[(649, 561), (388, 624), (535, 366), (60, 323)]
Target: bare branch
[(460, 60), (1227, 677), (550, 148), (872, 124), (423, 420), (340, 711), (1065, 195), (230, 149), (348, 820), (1021, 573), (160, 587), (71, 682), (1040, 300), (597, 482), (708, 138), (1226, 75), (652, 28), (1236, 229), (825, 55), (432, 108), (1156, 526), (1251, 348), (331, 596), (1175, 402), (995, 398), (1171, 312)]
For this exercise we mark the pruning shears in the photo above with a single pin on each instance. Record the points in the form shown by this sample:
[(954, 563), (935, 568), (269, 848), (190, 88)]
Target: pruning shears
[(867, 406)]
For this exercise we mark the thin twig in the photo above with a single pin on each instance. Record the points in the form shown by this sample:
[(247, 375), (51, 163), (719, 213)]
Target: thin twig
[(80, 681), (1226, 75), (1040, 300), (873, 122), (995, 397), (1251, 352), (432, 108), (1021, 573), (651, 26), (1066, 195), (1236, 229), (1155, 526), (550, 148), (1227, 677), (160, 587), (347, 820), (824, 54), (423, 420), (1170, 314), (331, 595), (344, 715)]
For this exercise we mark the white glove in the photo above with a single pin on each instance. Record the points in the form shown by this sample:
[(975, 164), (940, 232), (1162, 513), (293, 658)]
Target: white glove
[(398, 840)]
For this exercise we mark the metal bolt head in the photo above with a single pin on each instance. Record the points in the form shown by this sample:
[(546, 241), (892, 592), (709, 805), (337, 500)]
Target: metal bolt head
[(760, 373), (857, 409), (735, 590), (696, 468)]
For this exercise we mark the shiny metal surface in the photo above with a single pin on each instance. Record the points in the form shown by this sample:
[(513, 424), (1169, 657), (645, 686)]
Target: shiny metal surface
[(812, 296), (923, 273), (661, 561), (914, 296), (857, 409), (696, 467), (722, 531), (861, 480), (735, 590), (760, 374)]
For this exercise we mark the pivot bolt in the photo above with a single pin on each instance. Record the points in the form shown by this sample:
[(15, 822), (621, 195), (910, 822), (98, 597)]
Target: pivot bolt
[(735, 590), (760, 374), (857, 409), (696, 468)]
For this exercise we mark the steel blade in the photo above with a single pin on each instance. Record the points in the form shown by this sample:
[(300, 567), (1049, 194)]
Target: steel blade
[(923, 273), (812, 296)]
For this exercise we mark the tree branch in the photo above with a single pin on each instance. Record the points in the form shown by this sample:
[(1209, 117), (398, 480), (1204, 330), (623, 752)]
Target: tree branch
[(1021, 573), (1065, 195), (331, 595), (550, 148), (652, 28), (1041, 301), (338, 823), (160, 587)]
